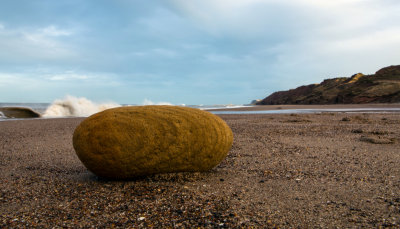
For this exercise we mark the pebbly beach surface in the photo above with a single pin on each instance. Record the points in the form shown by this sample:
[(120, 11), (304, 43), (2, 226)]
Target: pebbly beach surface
[(284, 170)]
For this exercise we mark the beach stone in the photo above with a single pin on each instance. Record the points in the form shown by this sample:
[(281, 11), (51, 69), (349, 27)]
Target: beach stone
[(129, 142)]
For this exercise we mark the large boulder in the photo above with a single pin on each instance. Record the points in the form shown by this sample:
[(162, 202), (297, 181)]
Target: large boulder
[(129, 142)]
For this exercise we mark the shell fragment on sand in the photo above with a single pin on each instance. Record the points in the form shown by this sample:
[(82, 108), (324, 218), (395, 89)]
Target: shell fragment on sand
[(129, 142)]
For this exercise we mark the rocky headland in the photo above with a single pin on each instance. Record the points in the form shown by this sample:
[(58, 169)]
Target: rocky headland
[(381, 87)]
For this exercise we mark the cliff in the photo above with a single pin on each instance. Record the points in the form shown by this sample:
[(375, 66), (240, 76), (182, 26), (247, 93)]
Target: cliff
[(381, 87)]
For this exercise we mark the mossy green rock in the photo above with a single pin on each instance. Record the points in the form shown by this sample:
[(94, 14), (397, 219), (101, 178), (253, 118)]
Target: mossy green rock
[(129, 142)]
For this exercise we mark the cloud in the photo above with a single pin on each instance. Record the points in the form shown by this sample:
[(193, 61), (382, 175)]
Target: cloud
[(7, 79), (283, 18), (17, 83), (156, 52), (198, 51), (87, 79), (33, 44), (43, 38), (385, 38), (53, 31), (298, 37), (64, 77), (48, 76), (44, 85)]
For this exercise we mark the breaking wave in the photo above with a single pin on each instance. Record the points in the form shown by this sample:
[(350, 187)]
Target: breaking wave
[(147, 102), (76, 107)]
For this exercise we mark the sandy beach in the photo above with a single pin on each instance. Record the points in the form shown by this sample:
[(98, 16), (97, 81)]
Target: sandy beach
[(284, 170)]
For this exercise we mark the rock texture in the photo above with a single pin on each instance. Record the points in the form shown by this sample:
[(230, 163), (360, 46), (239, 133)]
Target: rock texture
[(18, 112), (381, 87), (129, 142)]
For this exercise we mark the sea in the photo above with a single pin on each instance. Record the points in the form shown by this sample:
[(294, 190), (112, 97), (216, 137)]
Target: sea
[(304, 111), (42, 107), (82, 107), (38, 107)]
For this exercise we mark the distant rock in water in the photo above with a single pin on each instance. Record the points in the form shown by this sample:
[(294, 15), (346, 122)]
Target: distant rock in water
[(18, 112), (381, 87), (254, 102)]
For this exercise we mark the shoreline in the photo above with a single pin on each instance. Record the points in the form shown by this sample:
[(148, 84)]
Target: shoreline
[(317, 107), (288, 170), (21, 113)]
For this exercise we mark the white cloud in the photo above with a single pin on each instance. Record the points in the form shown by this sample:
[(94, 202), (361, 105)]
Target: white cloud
[(305, 37), (46, 37), (165, 52), (287, 19), (381, 39), (156, 52), (76, 77), (10, 81), (7, 79), (64, 77), (54, 31), (47, 77), (27, 44)]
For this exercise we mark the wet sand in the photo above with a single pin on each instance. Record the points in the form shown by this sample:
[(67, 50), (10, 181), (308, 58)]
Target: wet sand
[(299, 170), (316, 107)]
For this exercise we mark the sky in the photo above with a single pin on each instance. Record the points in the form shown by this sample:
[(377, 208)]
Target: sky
[(188, 51)]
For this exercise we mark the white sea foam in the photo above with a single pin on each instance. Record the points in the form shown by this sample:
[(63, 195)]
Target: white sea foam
[(149, 102), (76, 107)]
